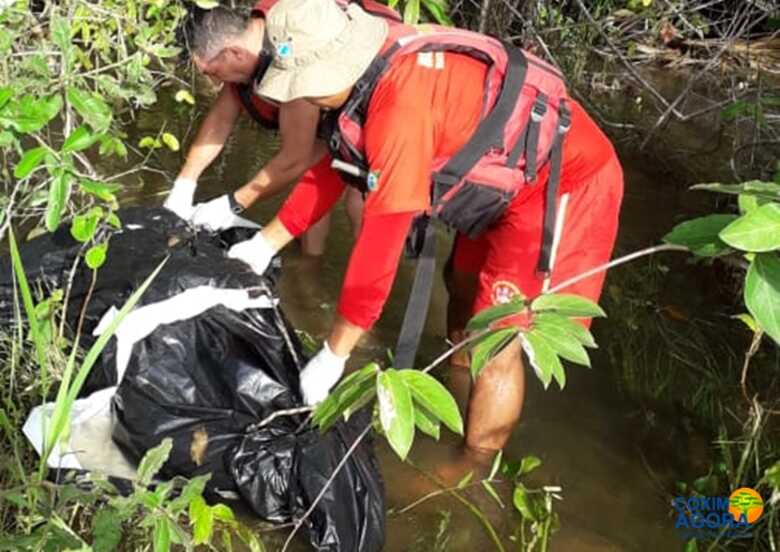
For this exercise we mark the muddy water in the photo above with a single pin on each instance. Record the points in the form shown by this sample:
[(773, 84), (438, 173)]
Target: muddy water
[(584, 435)]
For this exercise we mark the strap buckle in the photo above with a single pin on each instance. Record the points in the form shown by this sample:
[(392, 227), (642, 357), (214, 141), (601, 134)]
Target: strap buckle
[(538, 110)]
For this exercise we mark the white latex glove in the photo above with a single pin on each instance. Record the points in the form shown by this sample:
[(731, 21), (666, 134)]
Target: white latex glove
[(179, 200), (214, 215), (321, 373), (257, 252)]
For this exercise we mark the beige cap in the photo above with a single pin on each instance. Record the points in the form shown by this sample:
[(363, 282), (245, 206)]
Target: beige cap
[(318, 48)]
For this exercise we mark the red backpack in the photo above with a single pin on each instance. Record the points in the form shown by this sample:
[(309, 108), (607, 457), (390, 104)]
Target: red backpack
[(522, 129)]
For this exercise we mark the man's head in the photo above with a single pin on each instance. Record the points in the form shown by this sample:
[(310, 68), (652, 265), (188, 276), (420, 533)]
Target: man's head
[(225, 46), (319, 50)]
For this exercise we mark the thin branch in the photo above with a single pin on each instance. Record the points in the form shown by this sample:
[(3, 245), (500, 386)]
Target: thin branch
[(616, 262), (328, 483)]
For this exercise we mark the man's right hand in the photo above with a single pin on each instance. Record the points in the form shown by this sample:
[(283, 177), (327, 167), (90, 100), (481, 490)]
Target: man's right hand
[(180, 198)]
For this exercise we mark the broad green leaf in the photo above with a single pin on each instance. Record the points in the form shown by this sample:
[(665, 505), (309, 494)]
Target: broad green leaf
[(223, 513), (762, 293), (758, 230), (488, 347), (59, 191), (102, 190), (748, 203), (83, 227), (60, 32), (700, 235), (78, 140), (91, 107), (31, 159), (171, 141), (193, 488), (162, 535), (572, 327), (153, 461), (426, 422), (563, 343), (202, 520), (528, 464), (396, 411), (96, 256), (428, 392), (542, 357), (207, 4), (345, 396), (412, 12), (691, 546), (107, 530), (766, 190), (184, 96), (567, 304), (30, 114), (484, 318), (523, 503), (492, 492)]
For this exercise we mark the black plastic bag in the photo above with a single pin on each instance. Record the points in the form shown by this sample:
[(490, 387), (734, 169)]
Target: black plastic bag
[(206, 381)]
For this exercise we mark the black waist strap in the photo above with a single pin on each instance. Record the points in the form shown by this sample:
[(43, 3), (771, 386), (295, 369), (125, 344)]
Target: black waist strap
[(419, 299), (550, 211)]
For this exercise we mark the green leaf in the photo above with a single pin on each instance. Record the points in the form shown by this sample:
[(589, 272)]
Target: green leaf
[(107, 530), (193, 488), (572, 327), (431, 394), (83, 227), (701, 235), (528, 464), (492, 492), (748, 203), (202, 520), (465, 480), (31, 159), (439, 12), (523, 503), (426, 422), (486, 317), (758, 188), (91, 107), (96, 255), (758, 230), (748, 321), (153, 461), (347, 395), (541, 356), (78, 140), (171, 141), (223, 513), (149, 142), (101, 190), (162, 535), (567, 304), (184, 96), (691, 546), (60, 32), (496, 464), (6, 93), (30, 114), (563, 343), (762, 293), (488, 347), (412, 12), (396, 412), (207, 4), (59, 191)]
